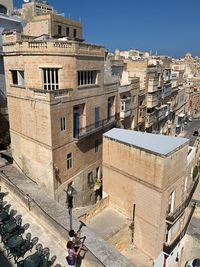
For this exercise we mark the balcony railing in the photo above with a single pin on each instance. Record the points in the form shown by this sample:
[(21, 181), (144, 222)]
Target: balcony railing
[(171, 217), (168, 248), (17, 44), (92, 128)]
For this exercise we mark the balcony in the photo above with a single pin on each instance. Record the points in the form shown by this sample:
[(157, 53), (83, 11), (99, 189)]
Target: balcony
[(142, 92), (152, 100), (111, 87), (162, 112), (95, 127), (150, 119), (168, 248), (172, 217), (152, 85), (167, 89), (125, 113), (125, 88), (117, 63), (125, 109)]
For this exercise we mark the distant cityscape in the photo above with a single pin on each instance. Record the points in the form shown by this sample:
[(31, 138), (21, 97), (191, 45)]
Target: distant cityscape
[(106, 142)]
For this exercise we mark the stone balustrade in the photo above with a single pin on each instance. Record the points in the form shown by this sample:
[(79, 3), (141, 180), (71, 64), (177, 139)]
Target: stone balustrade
[(15, 45)]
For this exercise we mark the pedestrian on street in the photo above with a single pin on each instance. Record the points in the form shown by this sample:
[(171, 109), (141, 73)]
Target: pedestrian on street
[(72, 254)]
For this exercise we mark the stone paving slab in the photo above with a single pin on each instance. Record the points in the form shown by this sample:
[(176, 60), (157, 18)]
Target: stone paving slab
[(106, 217)]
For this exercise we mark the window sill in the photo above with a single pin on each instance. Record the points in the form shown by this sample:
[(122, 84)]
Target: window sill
[(17, 86), (88, 86)]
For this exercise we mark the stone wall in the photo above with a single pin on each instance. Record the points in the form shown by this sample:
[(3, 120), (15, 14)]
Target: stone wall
[(135, 176)]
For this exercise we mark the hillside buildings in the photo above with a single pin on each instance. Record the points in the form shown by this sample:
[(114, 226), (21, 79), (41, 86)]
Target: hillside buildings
[(63, 94), (149, 178), (162, 98)]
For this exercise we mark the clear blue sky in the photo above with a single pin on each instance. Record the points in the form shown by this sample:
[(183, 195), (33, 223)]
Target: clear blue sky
[(169, 27)]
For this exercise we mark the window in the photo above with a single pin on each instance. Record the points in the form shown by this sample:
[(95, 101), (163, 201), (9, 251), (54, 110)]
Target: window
[(96, 146), (171, 202), (90, 178), (3, 9), (18, 77), (87, 77), (63, 123), (123, 105), (69, 161), (67, 31), (59, 30), (110, 110), (185, 185), (96, 117), (98, 172), (75, 32), (50, 79)]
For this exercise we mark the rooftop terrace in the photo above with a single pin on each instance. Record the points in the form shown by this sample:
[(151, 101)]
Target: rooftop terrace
[(14, 42)]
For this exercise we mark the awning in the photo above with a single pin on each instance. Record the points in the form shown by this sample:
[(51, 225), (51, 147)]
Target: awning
[(181, 115)]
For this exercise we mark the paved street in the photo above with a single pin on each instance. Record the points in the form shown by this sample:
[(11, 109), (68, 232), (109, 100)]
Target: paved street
[(192, 244), (191, 127)]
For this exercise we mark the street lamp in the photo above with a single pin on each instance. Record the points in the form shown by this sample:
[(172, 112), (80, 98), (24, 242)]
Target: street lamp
[(69, 201)]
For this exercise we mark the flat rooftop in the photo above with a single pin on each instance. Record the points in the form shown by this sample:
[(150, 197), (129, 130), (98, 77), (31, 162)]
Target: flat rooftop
[(153, 143)]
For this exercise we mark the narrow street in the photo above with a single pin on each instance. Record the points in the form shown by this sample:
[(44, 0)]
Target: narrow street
[(191, 127), (192, 243)]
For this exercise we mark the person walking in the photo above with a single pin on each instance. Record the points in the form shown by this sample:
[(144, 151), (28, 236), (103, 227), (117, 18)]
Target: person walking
[(72, 254)]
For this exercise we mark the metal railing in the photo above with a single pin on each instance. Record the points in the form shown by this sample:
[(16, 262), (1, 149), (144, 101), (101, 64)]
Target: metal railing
[(92, 128), (171, 217)]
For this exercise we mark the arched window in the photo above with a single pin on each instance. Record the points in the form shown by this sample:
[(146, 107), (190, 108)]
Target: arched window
[(3, 9)]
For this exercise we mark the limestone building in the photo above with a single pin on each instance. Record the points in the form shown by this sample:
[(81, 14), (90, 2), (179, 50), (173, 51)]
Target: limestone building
[(7, 21), (150, 179), (59, 107)]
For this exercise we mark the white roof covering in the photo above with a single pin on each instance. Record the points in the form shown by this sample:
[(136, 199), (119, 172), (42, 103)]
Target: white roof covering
[(154, 143)]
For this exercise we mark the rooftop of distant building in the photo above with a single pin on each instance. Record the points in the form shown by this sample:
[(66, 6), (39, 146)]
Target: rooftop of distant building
[(153, 143)]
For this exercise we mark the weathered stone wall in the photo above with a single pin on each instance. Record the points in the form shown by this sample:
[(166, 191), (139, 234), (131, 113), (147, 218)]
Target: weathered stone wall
[(134, 176), (35, 116)]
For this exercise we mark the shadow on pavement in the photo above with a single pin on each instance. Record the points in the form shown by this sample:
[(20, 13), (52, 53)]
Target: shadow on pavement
[(4, 261)]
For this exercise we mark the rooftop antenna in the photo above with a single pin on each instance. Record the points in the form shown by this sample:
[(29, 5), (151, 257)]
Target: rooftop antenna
[(69, 15)]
